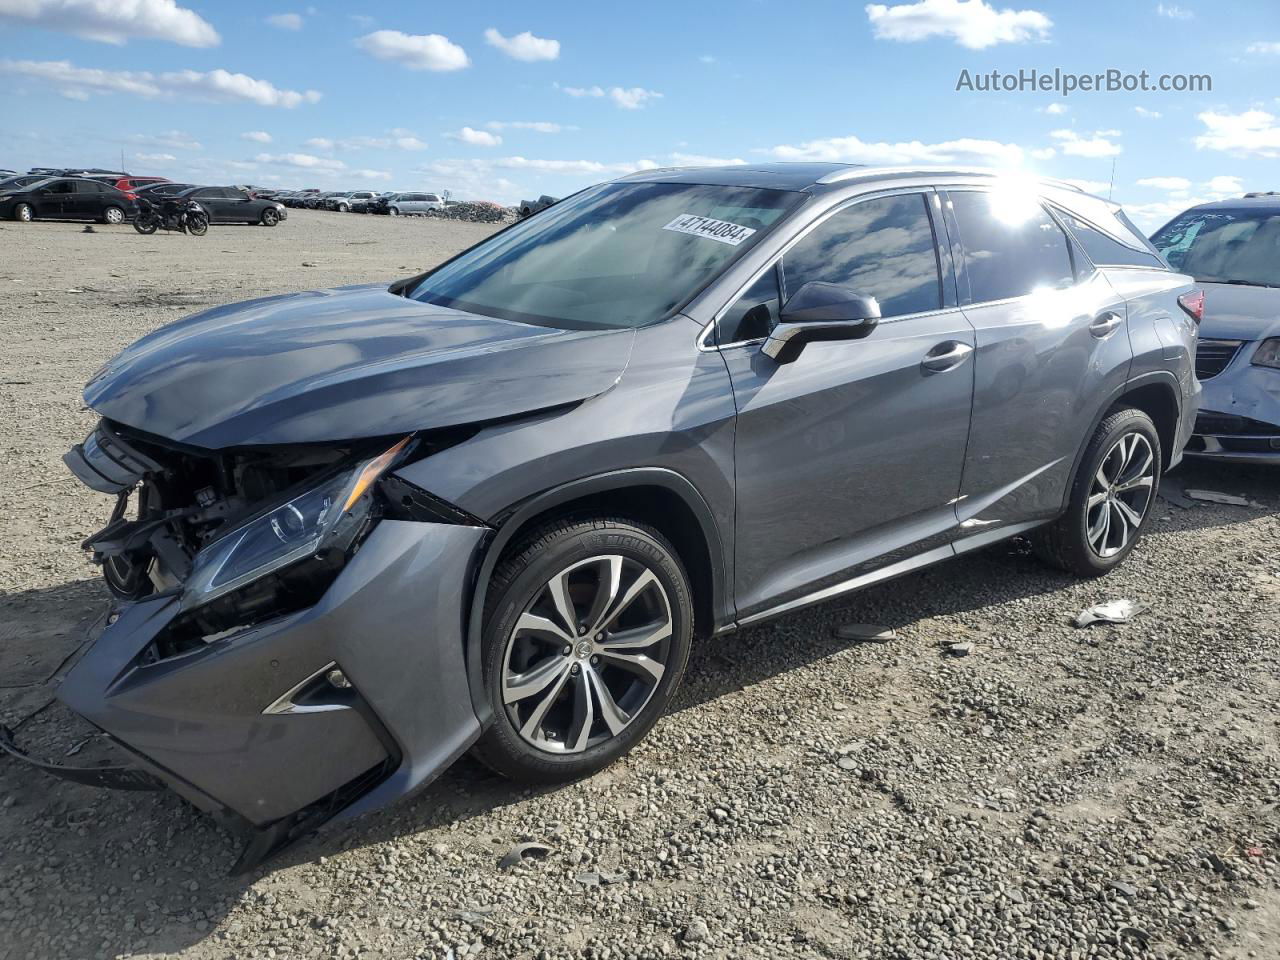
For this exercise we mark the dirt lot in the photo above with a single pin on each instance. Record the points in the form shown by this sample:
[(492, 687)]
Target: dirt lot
[(1058, 793)]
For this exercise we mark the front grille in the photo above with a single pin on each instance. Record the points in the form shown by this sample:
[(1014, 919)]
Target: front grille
[(1212, 357)]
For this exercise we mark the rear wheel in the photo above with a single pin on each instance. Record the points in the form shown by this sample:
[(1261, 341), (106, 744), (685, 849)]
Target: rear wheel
[(145, 225), (587, 632), (1111, 498), (24, 213), (113, 215)]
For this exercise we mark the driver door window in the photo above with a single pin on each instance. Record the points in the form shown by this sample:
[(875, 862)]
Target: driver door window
[(882, 248)]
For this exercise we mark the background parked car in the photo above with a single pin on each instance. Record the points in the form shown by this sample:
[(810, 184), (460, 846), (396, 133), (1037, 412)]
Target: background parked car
[(68, 198), (414, 204), (357, 202), (165, 188), (332, 201), (232, 205), (20, 180), (128, 184)]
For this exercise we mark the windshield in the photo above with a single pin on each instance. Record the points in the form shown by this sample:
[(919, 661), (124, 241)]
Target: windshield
[(1224, 246), (617, 255)]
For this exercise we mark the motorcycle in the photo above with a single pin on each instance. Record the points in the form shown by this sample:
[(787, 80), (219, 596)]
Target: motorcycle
[(172, 214)]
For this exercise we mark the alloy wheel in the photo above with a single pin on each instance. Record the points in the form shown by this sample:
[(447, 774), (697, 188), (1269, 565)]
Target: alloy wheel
[(1120, 494), (587, 654)]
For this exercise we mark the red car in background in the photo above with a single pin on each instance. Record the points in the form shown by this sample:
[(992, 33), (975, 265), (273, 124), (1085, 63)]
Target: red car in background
[(129, 184)]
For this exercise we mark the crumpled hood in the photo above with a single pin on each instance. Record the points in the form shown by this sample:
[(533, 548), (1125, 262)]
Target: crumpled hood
[(1233, 312), (342, 364)]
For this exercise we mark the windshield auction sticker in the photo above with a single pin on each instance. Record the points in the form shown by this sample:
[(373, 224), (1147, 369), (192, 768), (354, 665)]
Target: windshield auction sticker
[(721, 230)]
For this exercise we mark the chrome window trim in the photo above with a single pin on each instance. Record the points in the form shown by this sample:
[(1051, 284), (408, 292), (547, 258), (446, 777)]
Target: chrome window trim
[(702, 342)]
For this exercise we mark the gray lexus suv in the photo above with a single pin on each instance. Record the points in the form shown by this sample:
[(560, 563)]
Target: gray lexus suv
[(360, 531)]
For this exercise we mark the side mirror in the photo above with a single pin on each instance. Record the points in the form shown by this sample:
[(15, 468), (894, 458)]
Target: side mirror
[(821, 311)]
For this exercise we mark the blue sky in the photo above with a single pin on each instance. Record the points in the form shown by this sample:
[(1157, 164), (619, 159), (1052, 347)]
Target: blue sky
[(510, 100)]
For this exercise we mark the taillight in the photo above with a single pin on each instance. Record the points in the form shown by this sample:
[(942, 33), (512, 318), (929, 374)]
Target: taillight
[(129, 196), (1193, 304)]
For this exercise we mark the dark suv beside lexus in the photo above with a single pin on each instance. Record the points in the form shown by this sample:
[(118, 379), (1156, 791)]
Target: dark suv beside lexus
[(360, 531)]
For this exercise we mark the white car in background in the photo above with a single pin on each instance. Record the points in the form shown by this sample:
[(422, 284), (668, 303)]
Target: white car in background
[(414, 204)]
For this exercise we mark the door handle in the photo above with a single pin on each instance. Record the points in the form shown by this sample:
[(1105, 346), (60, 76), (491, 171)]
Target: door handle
[(1104, 324), (946, 356)]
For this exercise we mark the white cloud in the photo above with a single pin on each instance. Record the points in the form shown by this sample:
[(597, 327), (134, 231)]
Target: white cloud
[(628, 98), (428, 51), (1151, 216), (372, 174), (537, 126), (706, 58), (1264, 47), (1056, 109), (1252, 132), (286, 21), (303, 161), (1149, 114), (114, 21), (971, 23), (155, 157), (1227, 185), (702, 160), (573, 166), (854, 150), (477, 138), (173, 140), (1098, 145), (219, 86), (257, 136), (400, 139), (1165, 183), (632, 98), (1173, 12), (523, 46), (1043, 153)]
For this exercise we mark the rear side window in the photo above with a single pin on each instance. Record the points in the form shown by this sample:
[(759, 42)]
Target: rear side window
[(882, 248), (1011, 245), (1106, 251)]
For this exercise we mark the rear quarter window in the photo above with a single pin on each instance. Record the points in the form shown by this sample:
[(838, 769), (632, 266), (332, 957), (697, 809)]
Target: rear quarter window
[(1104, 250)]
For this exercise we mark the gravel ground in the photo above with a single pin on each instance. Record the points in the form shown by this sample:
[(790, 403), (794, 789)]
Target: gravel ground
[(1057, 793)]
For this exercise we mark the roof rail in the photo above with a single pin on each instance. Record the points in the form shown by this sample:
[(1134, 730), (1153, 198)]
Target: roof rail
[(868, 173)]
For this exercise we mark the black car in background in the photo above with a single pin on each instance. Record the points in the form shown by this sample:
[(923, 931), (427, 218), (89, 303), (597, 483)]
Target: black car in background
[(15, 181), (166, 189), (233, 205), (67, 198)]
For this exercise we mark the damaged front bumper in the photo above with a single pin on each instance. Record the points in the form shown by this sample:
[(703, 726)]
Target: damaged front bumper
[(1239, 419), (330, 710)]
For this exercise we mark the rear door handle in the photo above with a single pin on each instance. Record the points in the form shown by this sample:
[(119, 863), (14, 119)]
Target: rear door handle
[(1104, 325), (946, 356)]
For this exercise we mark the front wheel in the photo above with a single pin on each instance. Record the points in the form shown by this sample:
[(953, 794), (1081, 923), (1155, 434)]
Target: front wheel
[(1111, 498), (394, 211), (197, 224), (270, 217), (587, 632), (113, 215), (24, 213)]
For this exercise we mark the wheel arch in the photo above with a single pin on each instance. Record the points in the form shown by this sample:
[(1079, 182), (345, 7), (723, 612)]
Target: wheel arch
[(661, 498), (1155, 394)]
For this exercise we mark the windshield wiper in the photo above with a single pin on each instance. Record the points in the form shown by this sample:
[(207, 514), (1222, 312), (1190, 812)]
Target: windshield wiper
[(1239, 283)]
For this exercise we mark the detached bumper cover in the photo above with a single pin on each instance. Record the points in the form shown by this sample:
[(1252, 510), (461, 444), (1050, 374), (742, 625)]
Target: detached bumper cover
[(392, 622), (115, 776)]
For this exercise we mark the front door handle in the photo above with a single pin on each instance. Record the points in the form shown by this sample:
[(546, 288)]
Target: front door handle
[(1104, 324), (946, 356)]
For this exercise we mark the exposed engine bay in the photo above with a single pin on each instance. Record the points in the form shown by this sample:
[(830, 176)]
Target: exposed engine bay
[(173, 502)]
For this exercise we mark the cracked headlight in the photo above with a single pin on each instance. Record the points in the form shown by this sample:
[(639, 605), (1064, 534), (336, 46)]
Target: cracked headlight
[(325, 519), (1267, 354)]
